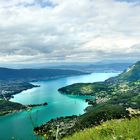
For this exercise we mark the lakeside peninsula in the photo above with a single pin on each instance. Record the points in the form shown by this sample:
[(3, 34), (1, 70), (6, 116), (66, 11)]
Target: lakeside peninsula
[(7, 107)]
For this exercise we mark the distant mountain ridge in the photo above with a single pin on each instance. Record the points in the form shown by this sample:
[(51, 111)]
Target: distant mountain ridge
[(98, 67), (35, 74)]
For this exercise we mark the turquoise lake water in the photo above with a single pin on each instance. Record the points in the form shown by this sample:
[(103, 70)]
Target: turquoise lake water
[(20, 125)]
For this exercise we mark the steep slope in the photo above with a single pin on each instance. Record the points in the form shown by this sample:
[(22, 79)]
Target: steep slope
[(129, 75), (132, 73)]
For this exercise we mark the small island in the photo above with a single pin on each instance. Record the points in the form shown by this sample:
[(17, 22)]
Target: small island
[(37, 105)]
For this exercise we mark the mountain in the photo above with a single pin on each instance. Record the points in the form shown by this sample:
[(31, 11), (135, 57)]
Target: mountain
[(97, 67), (130, 74), (35, 74)]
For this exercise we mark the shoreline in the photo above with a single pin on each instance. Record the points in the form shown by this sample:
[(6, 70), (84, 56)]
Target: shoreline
[(27, 108), (30, 106), (32, 85)]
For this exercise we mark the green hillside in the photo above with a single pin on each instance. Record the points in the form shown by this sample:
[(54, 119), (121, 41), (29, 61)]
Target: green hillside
[(118, 84), (132, 73), (111, 130), (85, 88), (9, 107)]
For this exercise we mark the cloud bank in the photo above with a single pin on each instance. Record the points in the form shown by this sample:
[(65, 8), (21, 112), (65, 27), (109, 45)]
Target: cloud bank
[(51, 31)]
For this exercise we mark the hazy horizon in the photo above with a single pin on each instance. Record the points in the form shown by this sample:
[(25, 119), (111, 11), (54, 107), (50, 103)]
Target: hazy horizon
[(59, 65)]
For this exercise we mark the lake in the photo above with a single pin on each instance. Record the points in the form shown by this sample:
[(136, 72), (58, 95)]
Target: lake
[(20, 125)]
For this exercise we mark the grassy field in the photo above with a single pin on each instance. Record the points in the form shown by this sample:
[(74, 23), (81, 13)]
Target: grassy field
[(111, 130)]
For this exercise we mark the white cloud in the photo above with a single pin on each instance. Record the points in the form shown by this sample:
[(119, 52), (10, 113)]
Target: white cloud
[(68, 31)]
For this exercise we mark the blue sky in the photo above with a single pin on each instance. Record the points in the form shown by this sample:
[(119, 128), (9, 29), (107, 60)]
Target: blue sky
[(41, 3), (69, 31)]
